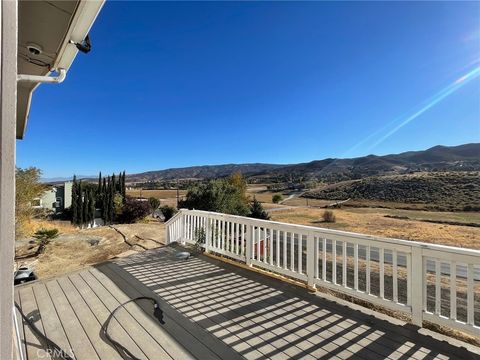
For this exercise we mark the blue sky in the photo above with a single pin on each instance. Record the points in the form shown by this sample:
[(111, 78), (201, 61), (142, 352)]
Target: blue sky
[(172, 84)]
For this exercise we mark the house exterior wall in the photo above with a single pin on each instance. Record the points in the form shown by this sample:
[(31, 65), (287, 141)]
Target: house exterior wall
[(48, 199), (67, 194), (8, 103)]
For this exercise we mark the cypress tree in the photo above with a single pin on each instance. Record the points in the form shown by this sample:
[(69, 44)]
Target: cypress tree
[(80, 220), (85, 207), (74, 201), (124, 190), (111, 203), (99, 186), (91, 208), (114, 183)]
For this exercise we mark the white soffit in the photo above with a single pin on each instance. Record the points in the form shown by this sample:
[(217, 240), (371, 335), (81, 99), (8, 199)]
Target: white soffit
[(49, 25)]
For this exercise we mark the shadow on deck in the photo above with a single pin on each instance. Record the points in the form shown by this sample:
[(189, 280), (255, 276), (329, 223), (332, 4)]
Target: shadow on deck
[(212, 310)]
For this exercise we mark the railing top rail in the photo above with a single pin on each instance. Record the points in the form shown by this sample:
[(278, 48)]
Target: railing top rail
[(174, 217), (306, 228)]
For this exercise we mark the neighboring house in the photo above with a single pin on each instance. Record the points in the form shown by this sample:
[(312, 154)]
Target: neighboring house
[(57, 198)]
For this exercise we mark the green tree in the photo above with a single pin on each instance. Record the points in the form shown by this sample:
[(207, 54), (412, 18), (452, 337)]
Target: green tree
[(28, 188), (257, 211), (217, 195)]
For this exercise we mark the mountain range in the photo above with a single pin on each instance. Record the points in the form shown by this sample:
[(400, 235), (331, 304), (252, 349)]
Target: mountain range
[(438, 158)]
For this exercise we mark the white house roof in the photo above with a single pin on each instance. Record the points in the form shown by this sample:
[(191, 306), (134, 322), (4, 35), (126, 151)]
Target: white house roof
[(48, 26)]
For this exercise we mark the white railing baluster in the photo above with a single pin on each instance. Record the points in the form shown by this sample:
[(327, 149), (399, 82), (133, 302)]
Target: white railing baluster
[(409, 279), (355, 266), (300, 253), (381, 255), (265, 235), (395, 275), (344, 263), (470, 296), (316, 241), (277, 242), (438, 287), (270, 249), (292, 251), (242, 251), (334, 261), (324, 259), (367, 271), (285, 250), (453, 290), (259, 241)]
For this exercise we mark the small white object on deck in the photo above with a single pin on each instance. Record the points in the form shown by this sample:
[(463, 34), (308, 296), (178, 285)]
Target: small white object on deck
[(182, 255)]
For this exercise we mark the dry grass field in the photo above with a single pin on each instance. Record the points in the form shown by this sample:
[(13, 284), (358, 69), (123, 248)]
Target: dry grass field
[(167, 197), (374, 222)]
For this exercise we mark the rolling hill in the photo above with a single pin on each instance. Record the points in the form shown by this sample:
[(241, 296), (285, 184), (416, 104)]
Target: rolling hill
[(452, 191), (439, 158)]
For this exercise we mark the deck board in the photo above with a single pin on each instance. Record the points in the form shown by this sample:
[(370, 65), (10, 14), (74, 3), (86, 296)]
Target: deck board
[(143, 340), (29, 307), (21, 332), (87, 319), (101, 312), (78, 339), (213, 310), (164, 339)]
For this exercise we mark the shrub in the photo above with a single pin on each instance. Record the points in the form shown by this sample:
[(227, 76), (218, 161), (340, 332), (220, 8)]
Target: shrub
[(329, 216), (44, 236), (134, 210), (154, 203), (257, 211), (168, 212), (277, 198)]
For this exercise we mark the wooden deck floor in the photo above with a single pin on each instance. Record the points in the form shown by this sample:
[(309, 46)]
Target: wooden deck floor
[(212, 311)]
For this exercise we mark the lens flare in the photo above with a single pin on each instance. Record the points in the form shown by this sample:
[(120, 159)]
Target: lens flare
[(431, 102)]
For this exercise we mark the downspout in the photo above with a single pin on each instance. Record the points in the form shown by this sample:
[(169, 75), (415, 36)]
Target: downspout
[(62, 73)]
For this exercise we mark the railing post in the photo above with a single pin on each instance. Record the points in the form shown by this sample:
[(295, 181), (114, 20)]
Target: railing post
[(207, 234), (167, 230), (249, 246), (311, 259), (417, 276), (183, 229)]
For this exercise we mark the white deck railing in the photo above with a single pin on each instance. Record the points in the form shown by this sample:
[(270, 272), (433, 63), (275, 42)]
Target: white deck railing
[(439, 284)]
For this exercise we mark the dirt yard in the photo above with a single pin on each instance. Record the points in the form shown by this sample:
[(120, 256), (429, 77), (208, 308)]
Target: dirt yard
[(74, 249)]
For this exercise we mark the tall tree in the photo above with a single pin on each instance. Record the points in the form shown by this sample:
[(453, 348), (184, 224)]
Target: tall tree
[(80, 204), (74, 206), (91, 208), (111, 200), (85, 205), (99, 186), (124, 189)]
